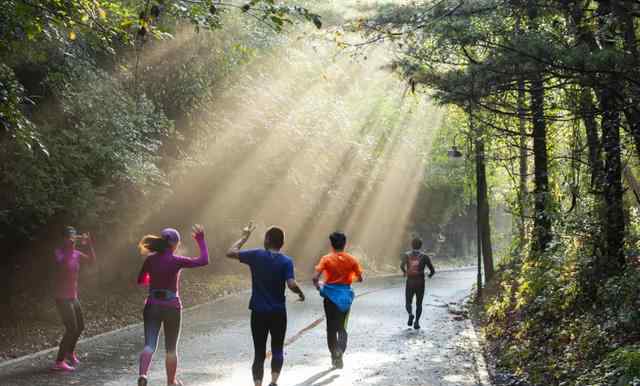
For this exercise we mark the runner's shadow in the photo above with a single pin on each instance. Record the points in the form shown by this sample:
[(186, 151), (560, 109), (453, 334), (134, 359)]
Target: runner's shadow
[(409, 334), (310, 381), (327, 381)]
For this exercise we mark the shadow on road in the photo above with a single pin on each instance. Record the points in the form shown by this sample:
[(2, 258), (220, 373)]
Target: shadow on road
[(316, 377)]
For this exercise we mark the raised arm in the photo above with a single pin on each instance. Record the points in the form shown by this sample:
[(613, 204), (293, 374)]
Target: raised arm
[(234, 250), (88, 242), (91, 257), (198, 236)]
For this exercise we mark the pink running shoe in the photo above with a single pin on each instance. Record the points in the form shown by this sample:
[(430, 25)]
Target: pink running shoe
[(62, 366), (73, 359)]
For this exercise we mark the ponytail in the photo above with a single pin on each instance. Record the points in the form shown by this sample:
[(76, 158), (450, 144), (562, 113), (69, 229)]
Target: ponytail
[(153, 244)]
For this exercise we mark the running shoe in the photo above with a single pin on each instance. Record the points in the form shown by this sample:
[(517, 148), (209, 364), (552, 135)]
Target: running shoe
[(73, 359), (142, 381), (337, 362), (416, 325), (62, 366), (410, 322)]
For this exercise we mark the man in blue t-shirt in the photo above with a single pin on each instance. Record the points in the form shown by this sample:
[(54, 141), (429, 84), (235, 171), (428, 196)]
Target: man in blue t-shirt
[(270, 270)]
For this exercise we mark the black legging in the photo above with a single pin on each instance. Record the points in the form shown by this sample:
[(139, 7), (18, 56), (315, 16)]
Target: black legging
[(263, 324), (336, 328), (71, 314), (418, 292)]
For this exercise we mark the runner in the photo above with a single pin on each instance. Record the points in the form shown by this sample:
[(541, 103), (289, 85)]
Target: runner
[(340, 269), (68, 260), (161, 273), (413, 265), (270, 270)]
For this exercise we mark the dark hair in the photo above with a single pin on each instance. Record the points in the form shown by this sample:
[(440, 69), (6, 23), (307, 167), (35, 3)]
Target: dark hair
[(338, 240), (274, 238), (69, 231), (152, 243), (416, 243)]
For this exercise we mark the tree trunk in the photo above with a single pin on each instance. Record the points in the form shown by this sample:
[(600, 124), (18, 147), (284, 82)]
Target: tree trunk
[(594, 144), (523, 150), (633, 183), (483, 208), (609, 178), (633, 119), (613, 260), (524, 161), (627, 21), (541, 222)]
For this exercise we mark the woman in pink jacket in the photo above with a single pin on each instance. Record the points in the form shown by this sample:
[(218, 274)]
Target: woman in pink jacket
[(68, 260), (161, 273)]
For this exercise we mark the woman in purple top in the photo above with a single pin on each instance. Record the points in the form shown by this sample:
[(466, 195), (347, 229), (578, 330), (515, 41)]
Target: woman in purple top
[(68, 260), (161, 273)]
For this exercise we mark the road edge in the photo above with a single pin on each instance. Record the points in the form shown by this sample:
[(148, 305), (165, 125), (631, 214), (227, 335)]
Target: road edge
[(478, 354)]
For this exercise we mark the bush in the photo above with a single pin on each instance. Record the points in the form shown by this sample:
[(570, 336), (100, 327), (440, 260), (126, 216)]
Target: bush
[(547, 328)]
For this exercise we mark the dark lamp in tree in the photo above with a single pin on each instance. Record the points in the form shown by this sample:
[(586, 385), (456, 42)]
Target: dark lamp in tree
[(454, 152)]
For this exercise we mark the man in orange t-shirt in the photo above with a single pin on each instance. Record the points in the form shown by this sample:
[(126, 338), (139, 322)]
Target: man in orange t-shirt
[(340, 269)]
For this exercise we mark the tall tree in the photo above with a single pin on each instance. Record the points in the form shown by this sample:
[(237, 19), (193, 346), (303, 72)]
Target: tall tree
[(541, 222)]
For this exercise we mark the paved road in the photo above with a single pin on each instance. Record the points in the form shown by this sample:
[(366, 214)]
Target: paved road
[(215, 346)]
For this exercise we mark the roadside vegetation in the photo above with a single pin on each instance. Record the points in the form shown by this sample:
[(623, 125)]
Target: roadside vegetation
[(547, 94)]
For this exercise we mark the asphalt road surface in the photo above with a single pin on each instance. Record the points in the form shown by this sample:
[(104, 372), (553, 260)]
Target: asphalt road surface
[(215, 346)]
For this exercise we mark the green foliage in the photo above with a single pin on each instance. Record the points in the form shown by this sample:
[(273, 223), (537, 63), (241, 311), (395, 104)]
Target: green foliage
[(121, 133), (621, 367), (628, 358), (552, 330), (102, 21), (109, 22), (100, 123), (13, 122), (106, 141)]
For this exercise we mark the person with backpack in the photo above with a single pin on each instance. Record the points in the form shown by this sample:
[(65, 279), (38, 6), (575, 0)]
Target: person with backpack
[(340, 269), (271, 270), (414, 262)]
